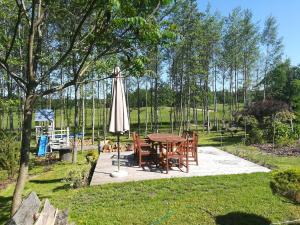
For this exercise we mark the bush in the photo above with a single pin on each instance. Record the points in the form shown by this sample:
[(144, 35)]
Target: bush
[(9, 154), (256, 136), (283, 136), (78, 177), (287, 184), (297, 130), (282, 130), (92, 156), (265, 108), (249, 121), (285, 142)]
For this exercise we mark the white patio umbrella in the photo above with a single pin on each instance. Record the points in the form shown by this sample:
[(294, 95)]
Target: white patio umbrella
[(118, 114)]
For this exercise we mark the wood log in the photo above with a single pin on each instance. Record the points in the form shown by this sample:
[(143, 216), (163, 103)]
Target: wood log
[(62, 218), (25, 214), (48, 215)]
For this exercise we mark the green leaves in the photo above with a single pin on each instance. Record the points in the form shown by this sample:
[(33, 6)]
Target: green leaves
[(114, 4)]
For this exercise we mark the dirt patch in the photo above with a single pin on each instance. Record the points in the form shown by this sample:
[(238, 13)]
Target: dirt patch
[(293, 150), (3, 184)]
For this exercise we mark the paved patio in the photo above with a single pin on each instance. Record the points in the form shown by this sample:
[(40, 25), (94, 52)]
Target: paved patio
[(212, 161)]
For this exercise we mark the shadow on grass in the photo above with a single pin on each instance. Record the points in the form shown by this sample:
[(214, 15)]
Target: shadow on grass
[(241, 218), (45, 181), (227, 140), (62, 187), (5, 203)]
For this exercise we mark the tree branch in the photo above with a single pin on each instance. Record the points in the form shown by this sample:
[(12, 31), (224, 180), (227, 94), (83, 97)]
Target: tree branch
[(73, 39), (14, 36), (22, 7), (18, 79)]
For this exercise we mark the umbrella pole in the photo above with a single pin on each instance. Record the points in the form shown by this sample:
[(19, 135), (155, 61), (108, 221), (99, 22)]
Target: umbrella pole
[(118, 140)]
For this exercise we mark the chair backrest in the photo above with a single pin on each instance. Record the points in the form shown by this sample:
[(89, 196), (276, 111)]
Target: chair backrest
[(176, 148), (187, 134), (135, 141), (196, 138), (138, 141)]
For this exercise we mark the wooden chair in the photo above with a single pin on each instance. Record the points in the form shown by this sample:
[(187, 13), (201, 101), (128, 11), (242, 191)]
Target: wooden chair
[(192, 140), (143, 142), (177, 152), (145, 152)]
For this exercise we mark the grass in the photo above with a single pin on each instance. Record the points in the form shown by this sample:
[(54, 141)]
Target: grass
[(255, 155), (163, 117), (241, 199), (230, 199)]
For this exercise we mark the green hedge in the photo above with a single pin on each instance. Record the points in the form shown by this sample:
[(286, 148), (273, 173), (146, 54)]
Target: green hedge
[(287, 183)]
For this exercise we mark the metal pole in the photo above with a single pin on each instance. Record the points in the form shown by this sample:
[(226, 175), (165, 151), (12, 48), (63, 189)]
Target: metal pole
[(118, 140)]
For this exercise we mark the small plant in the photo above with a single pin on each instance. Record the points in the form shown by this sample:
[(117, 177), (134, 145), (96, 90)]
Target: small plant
[(287, 183), (77, 177), (297, 131), (256, 136), (250, 122), (92, 156), (285, 142), (9, 153)]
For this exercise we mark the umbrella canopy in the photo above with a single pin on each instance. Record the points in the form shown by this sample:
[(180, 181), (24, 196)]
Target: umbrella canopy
[(118, 114)]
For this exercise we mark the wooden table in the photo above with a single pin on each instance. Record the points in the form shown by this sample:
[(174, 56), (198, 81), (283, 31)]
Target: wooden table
[(165, 137), (159, 139)]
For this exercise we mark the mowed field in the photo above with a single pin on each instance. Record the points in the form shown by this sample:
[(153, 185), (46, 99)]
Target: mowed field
[(244, 199), (230, 199), (101, 114)]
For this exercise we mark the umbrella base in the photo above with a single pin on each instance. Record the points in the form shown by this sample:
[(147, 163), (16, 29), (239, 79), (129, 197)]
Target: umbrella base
[(119, 174)]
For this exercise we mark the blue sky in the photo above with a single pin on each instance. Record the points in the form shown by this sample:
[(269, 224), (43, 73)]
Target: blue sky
[(287, 13)]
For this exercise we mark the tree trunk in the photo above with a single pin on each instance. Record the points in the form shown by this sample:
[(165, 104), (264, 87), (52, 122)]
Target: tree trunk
[(83, 115), (215, 99), (62, 99), (10, 109), (128, 106), (151, 107), (146, 122), (138, 105), (25, 149), (76, 123), (223, 108), (156, 104), (104, 110), (93, 114)]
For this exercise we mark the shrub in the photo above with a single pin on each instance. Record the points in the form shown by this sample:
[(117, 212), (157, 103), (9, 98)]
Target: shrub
[(9, 153), (265, 108), (256, 136), (92, 156), (297, 130), (77, 177), (287, 183), (285, 142), (282, 130), (250, 122)]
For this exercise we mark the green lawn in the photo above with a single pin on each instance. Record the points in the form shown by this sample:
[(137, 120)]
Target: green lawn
[(163, 117), (231, 199)]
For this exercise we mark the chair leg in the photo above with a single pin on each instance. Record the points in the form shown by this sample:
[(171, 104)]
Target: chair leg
[(167, 165), (140, 160), (196, 155), (187, 163)]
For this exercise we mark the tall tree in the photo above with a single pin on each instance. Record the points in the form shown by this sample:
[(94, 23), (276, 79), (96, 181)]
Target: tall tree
[(272, 45), (106, 26)]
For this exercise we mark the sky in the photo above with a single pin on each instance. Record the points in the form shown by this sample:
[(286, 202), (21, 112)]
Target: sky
[(287, 13)]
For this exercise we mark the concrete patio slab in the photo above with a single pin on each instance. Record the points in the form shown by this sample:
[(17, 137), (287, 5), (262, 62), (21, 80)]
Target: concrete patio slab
[(212, 161)]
